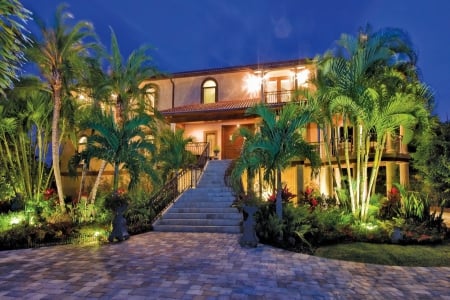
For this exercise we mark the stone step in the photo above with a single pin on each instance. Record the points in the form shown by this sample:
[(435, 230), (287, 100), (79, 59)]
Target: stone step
[(203, 215), (209, 193), (200, 222), (209, 204), (218, 188), (203, 210), (182, 228), (206, 208), (207, 198)]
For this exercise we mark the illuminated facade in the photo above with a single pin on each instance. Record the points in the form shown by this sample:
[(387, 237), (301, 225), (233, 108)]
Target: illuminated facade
[(210, 104)]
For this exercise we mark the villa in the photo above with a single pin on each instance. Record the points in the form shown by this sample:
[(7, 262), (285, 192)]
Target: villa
[(211, 104)]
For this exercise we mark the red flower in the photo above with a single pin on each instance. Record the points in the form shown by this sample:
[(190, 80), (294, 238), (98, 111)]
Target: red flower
[(49, 193), (272, 198), (286, 196), (394, 191)]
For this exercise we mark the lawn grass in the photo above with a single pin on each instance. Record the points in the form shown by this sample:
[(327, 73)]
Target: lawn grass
[(387, 254)]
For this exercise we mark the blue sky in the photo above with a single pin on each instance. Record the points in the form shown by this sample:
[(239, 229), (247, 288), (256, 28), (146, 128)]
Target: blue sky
[(202, 34)]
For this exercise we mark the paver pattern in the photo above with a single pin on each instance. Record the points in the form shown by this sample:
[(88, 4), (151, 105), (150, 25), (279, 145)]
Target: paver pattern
[(161, 265)]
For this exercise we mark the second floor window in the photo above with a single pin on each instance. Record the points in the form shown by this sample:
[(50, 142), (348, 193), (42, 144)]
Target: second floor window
[(151, 98), (209, 91)]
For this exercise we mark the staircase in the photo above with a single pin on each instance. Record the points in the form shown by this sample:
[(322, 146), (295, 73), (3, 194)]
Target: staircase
[(206, 208)]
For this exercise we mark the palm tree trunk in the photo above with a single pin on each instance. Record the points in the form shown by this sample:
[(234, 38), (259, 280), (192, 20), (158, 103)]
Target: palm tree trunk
[(56, 87), (93, 193), (279, 204), (349, 173), (365, 196), (327, 141), (359, 143), (116, 176), (83, 177)]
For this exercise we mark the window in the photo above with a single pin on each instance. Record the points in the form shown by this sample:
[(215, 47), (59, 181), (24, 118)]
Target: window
[(209, 91), (82, 142), (151, 98)]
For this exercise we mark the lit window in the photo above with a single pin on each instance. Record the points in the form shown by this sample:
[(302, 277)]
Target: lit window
[(82, 143), (209, 91), (151, 97)]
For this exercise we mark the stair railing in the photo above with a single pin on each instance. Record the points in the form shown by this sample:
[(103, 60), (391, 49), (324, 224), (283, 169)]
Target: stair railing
[(183, 180)]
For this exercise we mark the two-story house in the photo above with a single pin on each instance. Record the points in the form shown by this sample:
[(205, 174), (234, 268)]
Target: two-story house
[(210, 105)]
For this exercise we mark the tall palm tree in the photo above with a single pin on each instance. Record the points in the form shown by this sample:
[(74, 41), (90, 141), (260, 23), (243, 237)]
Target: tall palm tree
[(173, 155), (13, 34), (122, 84), (61, 52), (124, 147), (280, 142), (372, 86), (124, 80)]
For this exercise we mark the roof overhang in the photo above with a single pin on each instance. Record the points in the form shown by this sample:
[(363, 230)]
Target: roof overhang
[(222, 110)]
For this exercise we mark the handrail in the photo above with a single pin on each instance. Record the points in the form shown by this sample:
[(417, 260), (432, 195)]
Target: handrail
[(185, 179), (201, 151)]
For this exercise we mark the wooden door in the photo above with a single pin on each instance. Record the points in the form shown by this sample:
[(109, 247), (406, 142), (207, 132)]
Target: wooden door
[(232, 146)]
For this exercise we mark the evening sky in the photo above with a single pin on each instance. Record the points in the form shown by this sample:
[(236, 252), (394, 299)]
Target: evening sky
[(192, 35)]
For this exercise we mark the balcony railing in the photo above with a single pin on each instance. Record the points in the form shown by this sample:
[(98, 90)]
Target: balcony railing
[(337, 147), (278, 96)]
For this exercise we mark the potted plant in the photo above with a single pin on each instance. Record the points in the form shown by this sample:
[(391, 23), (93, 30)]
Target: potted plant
[(118, 202), (216, 151)]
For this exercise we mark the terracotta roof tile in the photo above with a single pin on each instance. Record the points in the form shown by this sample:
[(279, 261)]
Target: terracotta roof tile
[(220, 106)]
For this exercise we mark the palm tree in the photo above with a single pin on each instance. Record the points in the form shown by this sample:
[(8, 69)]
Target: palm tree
[(249, 162), (173, 155), (374, 91), (25, 128), (124, 81), (61, 56), (124, 147), (280, 142), (13, 34), (123, 84)]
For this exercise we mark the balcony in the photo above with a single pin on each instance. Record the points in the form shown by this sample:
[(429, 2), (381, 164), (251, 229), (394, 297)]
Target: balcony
[(278, 96), (393, 147)]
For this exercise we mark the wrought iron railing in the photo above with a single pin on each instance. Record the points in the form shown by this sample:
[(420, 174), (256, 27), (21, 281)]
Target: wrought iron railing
[(201, 151), (393, 145), (278, 96), (183, 180)]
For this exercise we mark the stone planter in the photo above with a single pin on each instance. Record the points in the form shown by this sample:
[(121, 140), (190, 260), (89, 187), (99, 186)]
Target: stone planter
[(397, 235), (119, 230), (249, 238)]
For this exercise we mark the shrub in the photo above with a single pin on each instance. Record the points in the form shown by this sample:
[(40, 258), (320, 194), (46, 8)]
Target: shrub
[(140, 213), (390, 207), (295, 231), (116, 199)]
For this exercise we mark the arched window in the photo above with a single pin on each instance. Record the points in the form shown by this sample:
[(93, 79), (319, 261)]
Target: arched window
[(151, 98), (209, 91)]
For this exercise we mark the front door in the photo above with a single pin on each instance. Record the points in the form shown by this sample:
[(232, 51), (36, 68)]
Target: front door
[(232, 145)]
